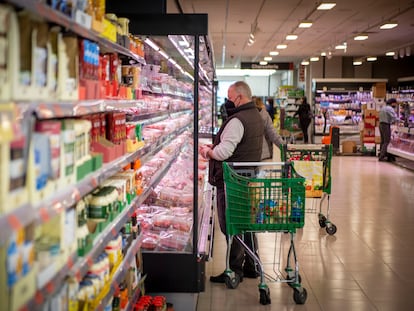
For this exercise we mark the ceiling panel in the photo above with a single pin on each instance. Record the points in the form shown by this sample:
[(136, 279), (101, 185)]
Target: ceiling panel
[(229, 29)]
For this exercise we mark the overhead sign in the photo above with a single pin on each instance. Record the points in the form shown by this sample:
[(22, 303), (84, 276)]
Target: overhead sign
[(276, 66)]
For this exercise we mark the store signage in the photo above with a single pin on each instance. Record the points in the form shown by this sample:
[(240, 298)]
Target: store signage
[(276, 66)]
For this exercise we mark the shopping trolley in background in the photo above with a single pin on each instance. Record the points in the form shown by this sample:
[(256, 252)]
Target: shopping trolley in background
[(314, 163), (265, 197)]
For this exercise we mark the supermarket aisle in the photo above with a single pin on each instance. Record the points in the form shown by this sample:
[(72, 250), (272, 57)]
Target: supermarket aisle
[(367, 265)]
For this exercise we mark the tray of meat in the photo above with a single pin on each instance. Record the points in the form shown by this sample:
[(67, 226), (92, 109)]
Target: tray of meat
[(173, 240)]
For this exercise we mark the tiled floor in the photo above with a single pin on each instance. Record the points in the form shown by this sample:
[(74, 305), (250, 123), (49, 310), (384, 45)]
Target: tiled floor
[(367, 265)]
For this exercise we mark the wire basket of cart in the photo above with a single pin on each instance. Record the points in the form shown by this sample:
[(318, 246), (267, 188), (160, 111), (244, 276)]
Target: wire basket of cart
[(313, 162), (265, 197)]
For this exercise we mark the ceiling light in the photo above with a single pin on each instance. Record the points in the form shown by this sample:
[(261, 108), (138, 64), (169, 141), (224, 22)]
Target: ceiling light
[(281, 46), (326, 6), (389, 25), (361, 37), (244, 72), (263, 63), (323, 54), (304, 63), (314, 59), (357, 63), (274, 53), (305, 24), (267, 58), (291, 37), (152, 44), (390, 53), (251, 36), (371, 59), (340, 47)]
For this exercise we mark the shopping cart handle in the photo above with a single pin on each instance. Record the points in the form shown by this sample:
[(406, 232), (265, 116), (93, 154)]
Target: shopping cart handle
[(255, 163)]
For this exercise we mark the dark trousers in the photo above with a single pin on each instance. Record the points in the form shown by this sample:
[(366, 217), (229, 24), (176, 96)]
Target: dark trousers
[(385, 131), (237, 256), (304, 124)]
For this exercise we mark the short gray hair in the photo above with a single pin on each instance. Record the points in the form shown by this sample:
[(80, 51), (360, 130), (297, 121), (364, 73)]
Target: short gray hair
[(243, 88)]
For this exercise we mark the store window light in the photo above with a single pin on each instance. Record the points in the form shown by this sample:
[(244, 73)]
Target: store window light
[(326, 6), (389, 25)]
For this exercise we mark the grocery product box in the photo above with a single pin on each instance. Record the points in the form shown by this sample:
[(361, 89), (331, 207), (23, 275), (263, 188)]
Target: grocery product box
[(348, 147), (379, 89)]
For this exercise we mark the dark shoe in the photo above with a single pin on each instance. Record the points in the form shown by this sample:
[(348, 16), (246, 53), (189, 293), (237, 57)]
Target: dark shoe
[(251, 274), (218, 278), (222, 277)]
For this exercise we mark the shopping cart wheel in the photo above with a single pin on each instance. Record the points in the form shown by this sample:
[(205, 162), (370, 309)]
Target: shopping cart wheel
[(322, 221), (300, 295), (265, 296), (232, 282), (331, 229), (291, 280)]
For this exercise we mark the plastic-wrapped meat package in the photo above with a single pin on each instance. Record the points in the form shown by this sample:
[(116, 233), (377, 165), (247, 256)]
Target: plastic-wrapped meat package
[(173, 240), (183, 223), (162, 221), (151, 134), (150, 240), (180, 211)]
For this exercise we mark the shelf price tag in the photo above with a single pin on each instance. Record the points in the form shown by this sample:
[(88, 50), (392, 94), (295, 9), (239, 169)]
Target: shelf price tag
[(83, 19), (39, 298), (44, 215), (14, 222), (89, 261), (50, 287)]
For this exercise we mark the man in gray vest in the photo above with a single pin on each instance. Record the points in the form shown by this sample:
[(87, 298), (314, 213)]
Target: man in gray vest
[(387, 116), (239, 139)]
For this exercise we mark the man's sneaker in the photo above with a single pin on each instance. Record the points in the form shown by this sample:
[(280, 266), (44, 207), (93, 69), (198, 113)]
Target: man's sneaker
[(251, 274), (221, 278)]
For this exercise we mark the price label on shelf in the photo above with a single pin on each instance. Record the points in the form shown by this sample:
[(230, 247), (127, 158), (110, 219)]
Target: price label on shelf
[(39, 298), (50, 287), (14, 222), (44, 214)]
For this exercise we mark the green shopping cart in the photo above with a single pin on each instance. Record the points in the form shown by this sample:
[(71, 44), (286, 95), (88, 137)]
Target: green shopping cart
[(313, 162), (265, 197)]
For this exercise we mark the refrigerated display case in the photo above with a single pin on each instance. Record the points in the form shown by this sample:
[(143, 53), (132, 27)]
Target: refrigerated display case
[(402, 139)]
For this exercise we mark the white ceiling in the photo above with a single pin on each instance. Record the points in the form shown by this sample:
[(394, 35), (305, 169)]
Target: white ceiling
[(230, 22)]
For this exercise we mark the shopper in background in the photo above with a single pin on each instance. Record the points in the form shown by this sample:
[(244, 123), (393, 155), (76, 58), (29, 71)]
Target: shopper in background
[(305, 117), (239, 139), (387, 116), (270, 108), (271, 136)]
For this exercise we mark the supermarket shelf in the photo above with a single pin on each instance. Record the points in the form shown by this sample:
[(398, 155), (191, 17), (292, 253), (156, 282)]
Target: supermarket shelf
[(401, 153), (206, 223), (157, 92), (65, 21), (120, 274), (15, 220), (151, 118)]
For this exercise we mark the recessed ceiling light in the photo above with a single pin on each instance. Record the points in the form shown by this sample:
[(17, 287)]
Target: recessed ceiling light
[(389, 25), (263, 63), (390, 53), (291, 37), (361, 37), (274, 53), (323, 54), (305, 24), (357, 63), (281, 46), (340, 47), (314, 59), (371, 59), (267, 58), (326, 6), (304, 63)]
